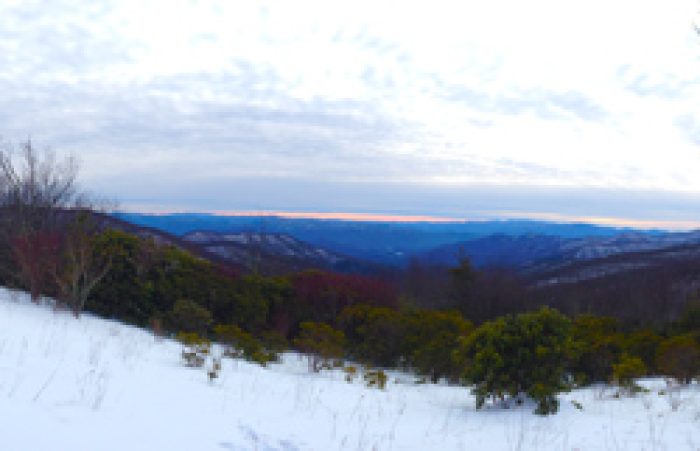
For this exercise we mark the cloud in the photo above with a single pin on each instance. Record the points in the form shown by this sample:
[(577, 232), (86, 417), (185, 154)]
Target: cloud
[(545, 104), (295, 194), (670, 87), (45, 41), (168, 114), (213, 95), (690, 125)]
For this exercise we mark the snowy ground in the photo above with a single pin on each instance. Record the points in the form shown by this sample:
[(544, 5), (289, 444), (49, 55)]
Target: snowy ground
[(91, 384)]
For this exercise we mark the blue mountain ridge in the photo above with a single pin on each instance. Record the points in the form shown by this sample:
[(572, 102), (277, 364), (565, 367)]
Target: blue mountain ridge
[(390, 243)]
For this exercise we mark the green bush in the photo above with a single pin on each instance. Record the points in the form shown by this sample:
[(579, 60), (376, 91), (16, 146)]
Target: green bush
[(431, 340), (435, 359), (679, 358), (643, 343), (121, 294), (191, 339), (421, 339), (146, 278), (521, 354), (188, 316), (274, 341), (597, 345), (323, 344), (626, 371), (241, 344), (235, 340), (262, 357), (375, 335), (253, 300)]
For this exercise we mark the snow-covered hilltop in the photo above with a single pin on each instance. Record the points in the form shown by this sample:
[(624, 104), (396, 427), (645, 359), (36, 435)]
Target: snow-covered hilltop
[(92, 384), (270, 252)]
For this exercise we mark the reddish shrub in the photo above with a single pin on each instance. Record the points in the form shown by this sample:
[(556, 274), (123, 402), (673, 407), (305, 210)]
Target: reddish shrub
[(321, 296)]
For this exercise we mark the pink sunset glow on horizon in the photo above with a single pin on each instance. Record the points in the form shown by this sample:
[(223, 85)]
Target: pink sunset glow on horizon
[(619, 222), (333, 216), (344, 216)]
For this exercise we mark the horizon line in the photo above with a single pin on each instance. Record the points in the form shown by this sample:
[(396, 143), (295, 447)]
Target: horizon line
[(604, 221), (332, 216)]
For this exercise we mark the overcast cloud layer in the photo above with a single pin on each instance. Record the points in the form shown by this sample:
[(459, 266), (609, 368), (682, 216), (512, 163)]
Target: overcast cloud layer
[(462, 109)]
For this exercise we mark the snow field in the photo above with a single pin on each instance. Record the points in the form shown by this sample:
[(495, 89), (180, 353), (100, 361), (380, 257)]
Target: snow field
[(93, 384)]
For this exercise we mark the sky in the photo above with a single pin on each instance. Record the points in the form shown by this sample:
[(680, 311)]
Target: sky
[(578, 110)]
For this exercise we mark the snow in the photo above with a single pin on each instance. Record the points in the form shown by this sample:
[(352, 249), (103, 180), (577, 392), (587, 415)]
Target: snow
[(93, 384)]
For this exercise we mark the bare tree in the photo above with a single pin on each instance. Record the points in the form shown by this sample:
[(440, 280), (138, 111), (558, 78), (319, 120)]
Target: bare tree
[(34, 186), (36, 190), (83, 266)]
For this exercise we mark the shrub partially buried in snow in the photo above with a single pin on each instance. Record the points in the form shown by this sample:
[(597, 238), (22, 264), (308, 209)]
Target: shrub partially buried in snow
[(376, 378), (350, 373), (626, 371), (189, 316), (240, 344), (322, 343), (519, 354), (679, 357), (195, 349)]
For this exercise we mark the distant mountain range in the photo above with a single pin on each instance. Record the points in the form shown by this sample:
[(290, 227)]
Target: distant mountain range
[(379, 242), (540, 253), (543, 252)]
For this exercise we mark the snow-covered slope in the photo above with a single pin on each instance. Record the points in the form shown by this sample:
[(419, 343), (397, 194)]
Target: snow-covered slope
[(91, 384)]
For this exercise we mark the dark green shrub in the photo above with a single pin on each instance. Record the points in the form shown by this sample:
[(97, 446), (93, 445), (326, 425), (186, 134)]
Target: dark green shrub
[(120, 294), (323, 344), (262, 357), (146, 278), (435, 359), (240, 344), (188, 316), (522, 354), (626, 371), (431, 340), (191, 339), (274, 341), (643, 343), (235, 340), (597, 345), (679, 357), (255, 299), (375, 335)]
